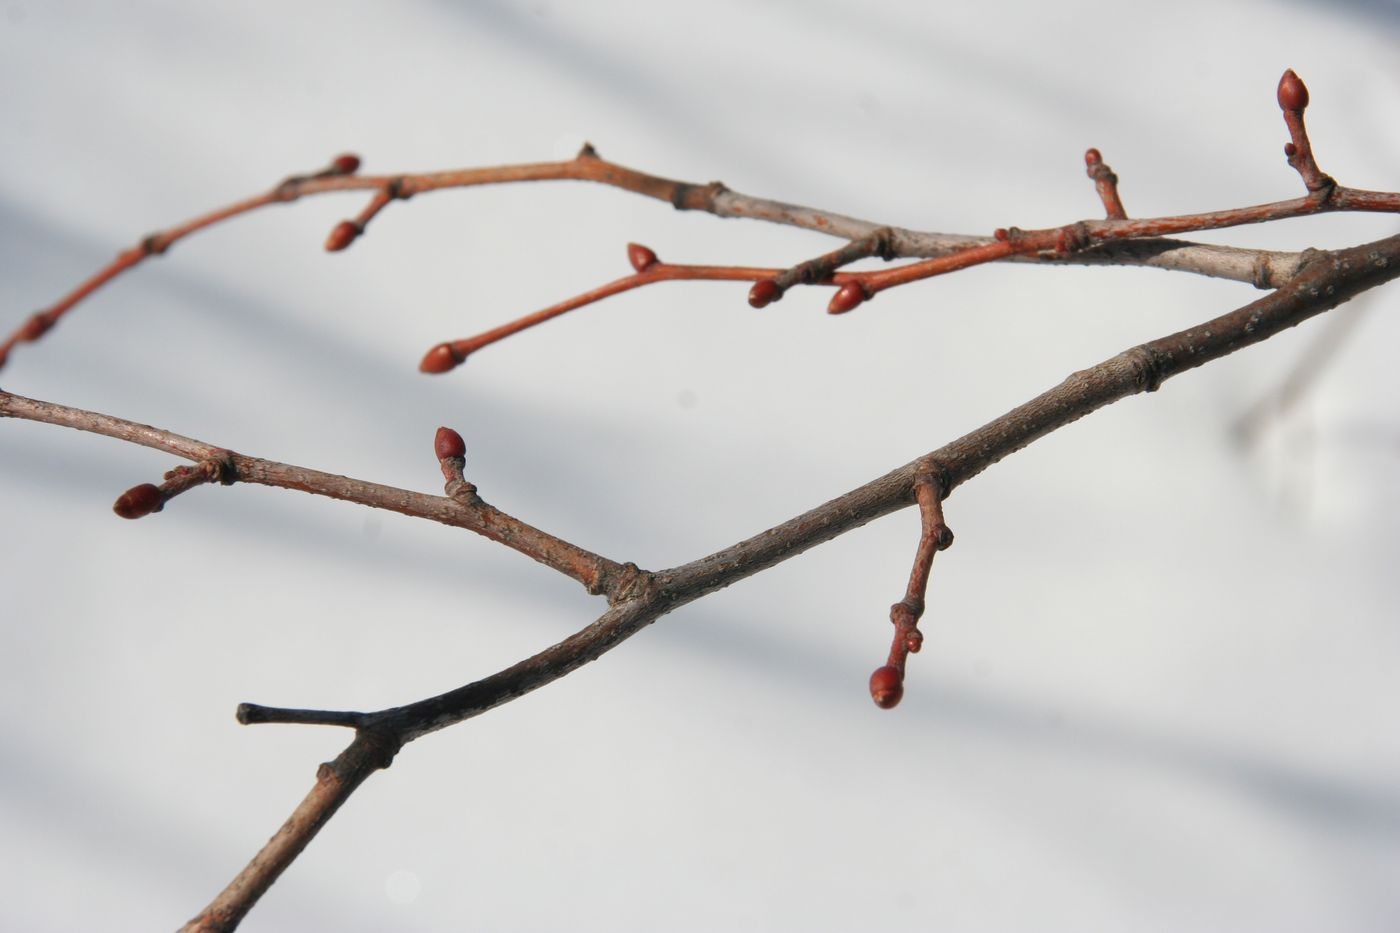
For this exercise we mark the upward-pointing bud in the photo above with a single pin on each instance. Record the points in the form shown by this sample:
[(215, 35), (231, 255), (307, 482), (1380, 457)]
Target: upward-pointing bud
[(345, 164), (448, 444), (1292, 92), (847, 297), (640, 257)]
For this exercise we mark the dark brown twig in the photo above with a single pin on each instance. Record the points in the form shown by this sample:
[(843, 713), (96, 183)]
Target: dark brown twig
[(335, 782)]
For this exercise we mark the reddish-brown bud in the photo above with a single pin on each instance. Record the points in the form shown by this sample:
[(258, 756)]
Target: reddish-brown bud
[(640, 257), (440, 359), (1093, 158), (342, 235), (887, 687), (346, 163), (1292, 92), (35, 327), (448, 443), (764, 293), (139, 500), (1000, 233), (1290, 150), (847, 297), (944, 535)]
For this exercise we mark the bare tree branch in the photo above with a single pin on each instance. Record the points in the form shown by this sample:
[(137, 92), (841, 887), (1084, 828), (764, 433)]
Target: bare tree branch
[(639, 597), (1306, 284)]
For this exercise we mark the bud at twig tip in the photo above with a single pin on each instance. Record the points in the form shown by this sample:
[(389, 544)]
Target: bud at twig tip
[(847, 297), (347, 163), (448, 444), (440, 359), (640, 257), (138, 501), (342, 235), (887, 687), (1093, 157), (764, 293), (1292, 92)]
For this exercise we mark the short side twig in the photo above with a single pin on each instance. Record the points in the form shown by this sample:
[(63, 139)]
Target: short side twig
[(877, 243), (887, 683), (1293, 100), (1106, 184)]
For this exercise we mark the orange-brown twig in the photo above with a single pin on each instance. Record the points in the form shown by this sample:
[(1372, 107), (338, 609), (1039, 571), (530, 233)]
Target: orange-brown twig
[(887, 683), (447, 356), (943, 252), (1105, 183)]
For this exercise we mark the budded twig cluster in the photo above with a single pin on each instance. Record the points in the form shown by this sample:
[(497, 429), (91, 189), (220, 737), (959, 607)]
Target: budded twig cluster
[(1301, 285)]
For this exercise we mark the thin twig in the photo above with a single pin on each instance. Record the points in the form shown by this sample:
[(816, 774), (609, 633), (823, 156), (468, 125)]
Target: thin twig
[(717, 199), (1105, 183), (597, 574), (887, 683)]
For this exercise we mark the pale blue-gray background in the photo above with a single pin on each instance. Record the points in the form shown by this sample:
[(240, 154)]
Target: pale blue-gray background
[(1160, 678)]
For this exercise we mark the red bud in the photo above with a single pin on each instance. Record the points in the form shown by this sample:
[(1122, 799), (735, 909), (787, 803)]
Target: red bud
[(1292, 92), (1000, 233), (764, 293), (448, 443), (1093, 157), (139, 500), (945, 537), (440, 359), (847, 297), (345, 164), (342, 235), (640, 257), (887, 687)]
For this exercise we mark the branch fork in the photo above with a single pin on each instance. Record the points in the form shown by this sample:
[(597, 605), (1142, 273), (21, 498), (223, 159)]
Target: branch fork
[(140, 501)]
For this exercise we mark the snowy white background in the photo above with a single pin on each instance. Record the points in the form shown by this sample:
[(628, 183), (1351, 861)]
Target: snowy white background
[(1160, 681)]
